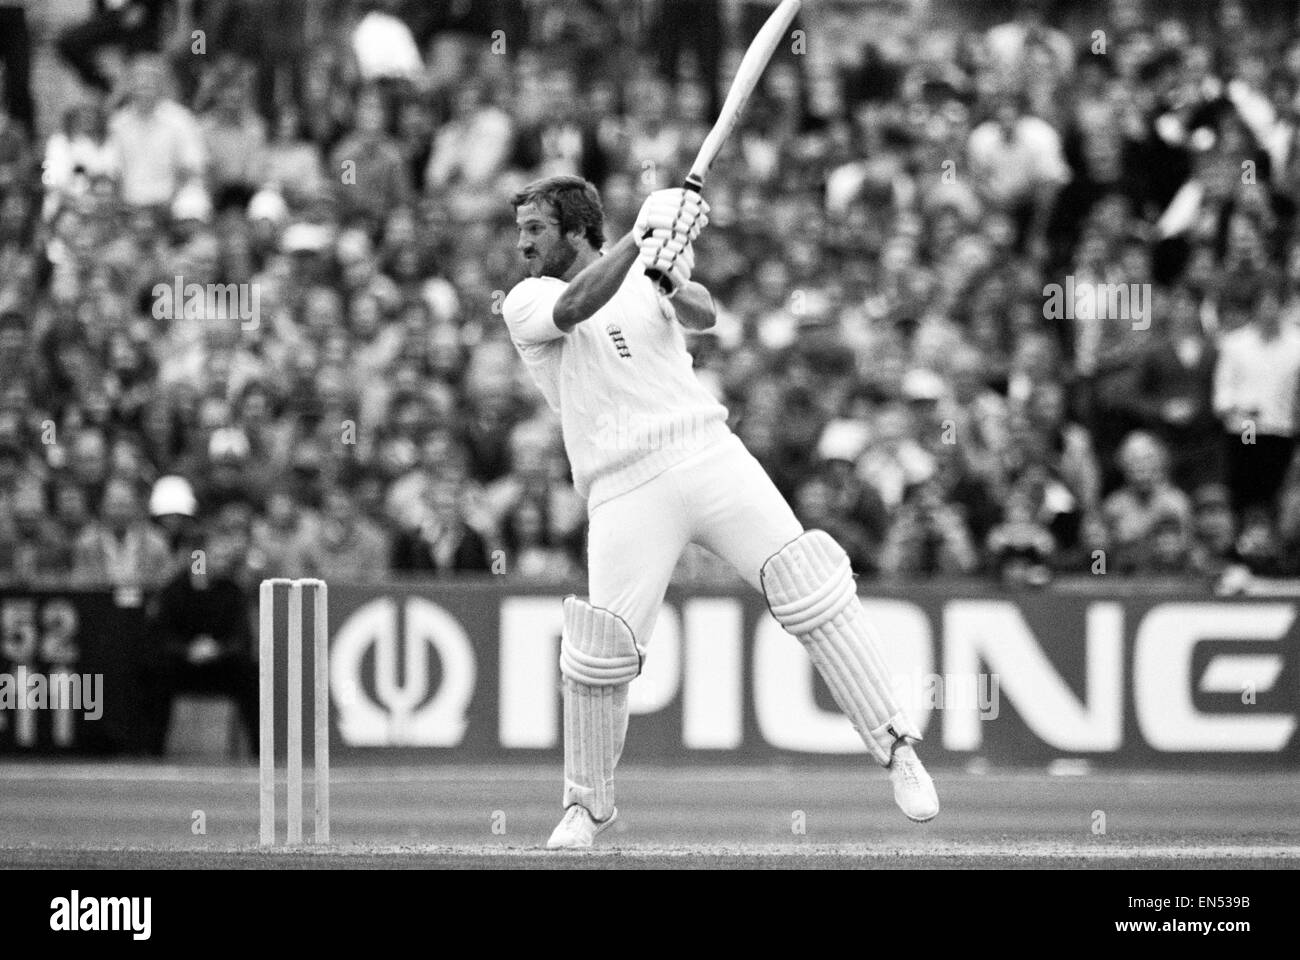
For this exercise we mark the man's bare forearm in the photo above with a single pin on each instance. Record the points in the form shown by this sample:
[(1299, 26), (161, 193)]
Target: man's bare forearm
[(595, 285), (694, 306)]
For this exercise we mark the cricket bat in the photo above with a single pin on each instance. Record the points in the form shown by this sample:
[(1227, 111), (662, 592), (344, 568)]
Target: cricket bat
[(751, 68)]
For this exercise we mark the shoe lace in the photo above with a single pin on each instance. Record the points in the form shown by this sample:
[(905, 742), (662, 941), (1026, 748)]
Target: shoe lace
[(908, 767)]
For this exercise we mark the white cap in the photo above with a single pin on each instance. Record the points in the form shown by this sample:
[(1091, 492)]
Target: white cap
[(172, 494)]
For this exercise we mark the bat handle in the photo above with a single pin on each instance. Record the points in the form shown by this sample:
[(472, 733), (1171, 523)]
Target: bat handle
[(695, 185)]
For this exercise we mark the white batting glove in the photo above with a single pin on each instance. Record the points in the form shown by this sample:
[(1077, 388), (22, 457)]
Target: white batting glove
[(678, 210), (669, 254)]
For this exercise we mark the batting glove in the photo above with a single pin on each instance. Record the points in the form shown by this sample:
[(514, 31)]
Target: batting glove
[(678, 210), (669, 254)]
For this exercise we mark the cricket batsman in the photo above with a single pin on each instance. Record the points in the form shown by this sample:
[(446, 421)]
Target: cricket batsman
[(605, 344)]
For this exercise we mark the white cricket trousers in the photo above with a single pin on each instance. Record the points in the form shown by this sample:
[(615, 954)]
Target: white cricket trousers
[(719, 498)]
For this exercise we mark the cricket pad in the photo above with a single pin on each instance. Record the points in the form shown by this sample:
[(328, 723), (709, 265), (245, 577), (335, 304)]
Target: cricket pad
[(599, 657), (810, 590)]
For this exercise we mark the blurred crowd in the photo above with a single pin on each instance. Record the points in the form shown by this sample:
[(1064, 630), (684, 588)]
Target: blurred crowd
[(339, 398)]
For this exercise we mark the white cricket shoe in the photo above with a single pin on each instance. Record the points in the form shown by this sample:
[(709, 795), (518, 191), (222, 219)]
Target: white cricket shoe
[(913, 789), (577, 830)]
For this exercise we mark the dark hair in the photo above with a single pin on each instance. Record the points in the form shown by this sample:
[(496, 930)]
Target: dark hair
[(575, 201), (511, 535)]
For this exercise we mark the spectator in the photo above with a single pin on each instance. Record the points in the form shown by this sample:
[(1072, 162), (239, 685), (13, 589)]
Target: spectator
[(814, 504), (77, 154), (372, 176), (533, 549), (160, 432), (441, 542), (1168, 551), (1256, 392), (203, 637), (1024, 39), (1146, 496), (440, 454), (538, 471), (1068, 445), (977, 411), (472, 148), (1175, 387), (894, 461), (88, 461), (1260, 544), (285, 537), (1214, 532), (1019, 548), (1018, 165), (34, 549), (173, 509), (226, 474), (928, 537), (158, 144), (345, 545), (71, 508), (122, 549), (234, 139), (859, 504), (293, 165)]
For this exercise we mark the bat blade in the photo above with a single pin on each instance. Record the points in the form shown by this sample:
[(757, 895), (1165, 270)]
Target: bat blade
[(751, 68), (756, 58)]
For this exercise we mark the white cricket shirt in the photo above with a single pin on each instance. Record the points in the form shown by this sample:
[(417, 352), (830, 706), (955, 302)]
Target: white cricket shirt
[(622, 381)]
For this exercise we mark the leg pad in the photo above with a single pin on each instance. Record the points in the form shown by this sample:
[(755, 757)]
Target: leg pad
[(811, 592), (599, 657)]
